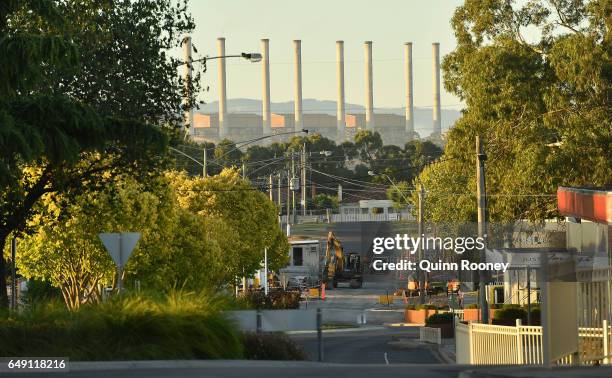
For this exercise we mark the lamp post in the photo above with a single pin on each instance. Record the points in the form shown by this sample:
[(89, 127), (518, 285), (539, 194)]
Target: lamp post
[(188, 73)]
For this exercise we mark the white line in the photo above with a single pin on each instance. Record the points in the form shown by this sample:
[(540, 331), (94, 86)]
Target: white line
[(386, 359)]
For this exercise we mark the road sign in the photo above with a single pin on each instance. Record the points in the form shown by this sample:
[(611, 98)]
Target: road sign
[(120, 245)]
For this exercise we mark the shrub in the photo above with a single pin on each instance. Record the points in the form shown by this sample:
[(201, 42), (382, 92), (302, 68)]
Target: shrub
[(410, 307), (472, 306), (426, 307), (510, 313), (443, 318), (271, 346), (41, 291), (276, 300), (130, 327)]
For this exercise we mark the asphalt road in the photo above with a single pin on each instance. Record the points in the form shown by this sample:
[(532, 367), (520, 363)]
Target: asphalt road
[(380, 346), (263, 369)]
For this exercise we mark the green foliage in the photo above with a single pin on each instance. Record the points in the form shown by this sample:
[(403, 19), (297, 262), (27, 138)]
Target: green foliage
[(195, 234), (41, 291), (180, 325), (55, 138), (426, 307), (510, 313), (443, 318), (540, 104), (250, 220), (325, 201), (275, 300), (472, 306), (271, 346)]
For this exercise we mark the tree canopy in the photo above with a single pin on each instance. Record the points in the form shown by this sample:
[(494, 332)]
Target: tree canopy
[(536, 80), (85, 90)]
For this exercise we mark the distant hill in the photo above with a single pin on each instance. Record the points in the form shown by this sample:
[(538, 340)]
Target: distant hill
[(422, 116)]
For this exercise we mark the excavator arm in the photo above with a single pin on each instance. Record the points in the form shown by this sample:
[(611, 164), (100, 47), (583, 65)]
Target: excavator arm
[(334, 256)]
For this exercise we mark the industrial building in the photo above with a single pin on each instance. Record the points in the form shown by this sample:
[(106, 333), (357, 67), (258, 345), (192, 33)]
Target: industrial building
[(394, 129)]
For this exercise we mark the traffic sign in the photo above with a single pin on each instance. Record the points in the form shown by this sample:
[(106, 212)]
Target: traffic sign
[(120, 245)]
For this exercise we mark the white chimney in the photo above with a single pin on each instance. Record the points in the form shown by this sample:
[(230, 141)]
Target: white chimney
[(297, 73), (369, 81), (222, 90), (409, 92), (340, 112), (437, 125), (265, 73), (187, 75)]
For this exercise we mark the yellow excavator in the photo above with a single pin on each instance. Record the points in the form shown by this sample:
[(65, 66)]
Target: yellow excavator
[(340, 267)]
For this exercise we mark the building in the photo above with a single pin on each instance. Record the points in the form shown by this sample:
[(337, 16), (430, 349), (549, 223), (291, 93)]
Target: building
[(304, 259)]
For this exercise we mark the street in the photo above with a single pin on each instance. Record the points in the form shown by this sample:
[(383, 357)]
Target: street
[(255, 369), (378, 346)]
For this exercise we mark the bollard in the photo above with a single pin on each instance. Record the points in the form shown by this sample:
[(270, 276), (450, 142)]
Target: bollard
[(258, 321), (320, 334)]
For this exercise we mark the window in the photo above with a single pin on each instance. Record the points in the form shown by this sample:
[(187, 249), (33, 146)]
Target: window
[(298, 259)]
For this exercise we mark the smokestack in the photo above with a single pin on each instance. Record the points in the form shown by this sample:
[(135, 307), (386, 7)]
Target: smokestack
[(369, 86), (340, 115), (437, 125), (409, 92), (222, 90), (297, 73), (187, 75), (265, 73)]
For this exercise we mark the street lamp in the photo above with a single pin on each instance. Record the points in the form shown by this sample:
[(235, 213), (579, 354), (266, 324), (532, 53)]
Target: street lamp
[(188, 63)]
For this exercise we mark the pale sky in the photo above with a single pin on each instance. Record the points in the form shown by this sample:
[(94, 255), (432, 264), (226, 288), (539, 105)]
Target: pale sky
[(319, 23)]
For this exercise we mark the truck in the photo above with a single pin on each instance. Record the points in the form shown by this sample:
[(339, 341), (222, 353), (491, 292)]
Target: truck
[(340, 267)]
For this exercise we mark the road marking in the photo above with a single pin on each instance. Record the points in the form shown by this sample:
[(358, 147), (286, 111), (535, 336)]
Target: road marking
[(386, 359)]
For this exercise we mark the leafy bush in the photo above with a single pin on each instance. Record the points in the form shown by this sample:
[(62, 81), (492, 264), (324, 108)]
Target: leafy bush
[(276, 300), (410, 307), (510, 313), (271, 346), (443, 318), (472, 306), (130, 327), (41, 291), (426, 307)]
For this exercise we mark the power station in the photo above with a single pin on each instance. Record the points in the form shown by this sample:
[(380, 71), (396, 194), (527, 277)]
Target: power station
[(394, 129)]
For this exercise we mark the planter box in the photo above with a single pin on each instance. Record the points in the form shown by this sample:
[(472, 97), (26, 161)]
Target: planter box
[(417, 316), (446, 329), (473, 314)]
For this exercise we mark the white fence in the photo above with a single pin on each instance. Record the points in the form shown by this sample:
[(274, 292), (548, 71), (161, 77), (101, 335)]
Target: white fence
[(486, 344), (430, 335), (340, 218)]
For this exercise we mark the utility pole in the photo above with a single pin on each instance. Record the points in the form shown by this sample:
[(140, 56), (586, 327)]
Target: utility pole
[(292, 184), (14, 274), (204, 173), (270, 188), (243, 170), (422, 290), (303, 186), (288, 199), (482, 225), (279, 193)]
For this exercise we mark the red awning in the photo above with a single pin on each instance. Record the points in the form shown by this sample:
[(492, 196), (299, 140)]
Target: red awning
[(589, 204)]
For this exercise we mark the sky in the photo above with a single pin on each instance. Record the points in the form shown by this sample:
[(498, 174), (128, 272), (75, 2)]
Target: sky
[(319, 23)]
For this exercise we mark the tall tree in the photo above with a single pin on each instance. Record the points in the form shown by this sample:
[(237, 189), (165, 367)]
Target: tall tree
[(61, 134), (536, 78)]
